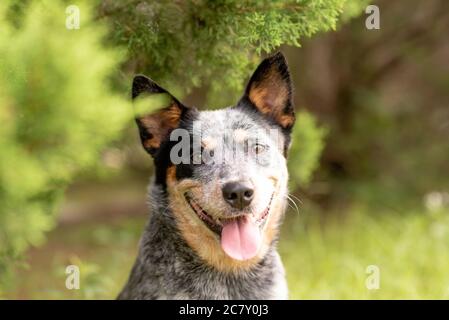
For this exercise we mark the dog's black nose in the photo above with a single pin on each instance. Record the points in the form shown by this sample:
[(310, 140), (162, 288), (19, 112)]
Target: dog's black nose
[(238, 194)]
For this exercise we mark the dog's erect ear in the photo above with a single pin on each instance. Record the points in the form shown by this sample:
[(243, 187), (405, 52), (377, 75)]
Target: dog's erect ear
[(270, 91), (157, 112)]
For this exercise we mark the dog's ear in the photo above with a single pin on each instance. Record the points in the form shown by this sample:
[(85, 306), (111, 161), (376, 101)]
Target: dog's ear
[(269, 91), (157, 112)]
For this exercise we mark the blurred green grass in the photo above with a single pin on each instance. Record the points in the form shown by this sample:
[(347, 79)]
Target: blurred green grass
[(323, 260), (330, 261)]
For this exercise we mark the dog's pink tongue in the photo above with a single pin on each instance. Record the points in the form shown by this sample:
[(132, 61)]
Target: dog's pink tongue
[(240, 238)]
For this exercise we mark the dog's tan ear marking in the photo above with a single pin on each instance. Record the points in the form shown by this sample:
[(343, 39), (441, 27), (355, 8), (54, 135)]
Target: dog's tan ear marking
[(270, 91), (155, 126)]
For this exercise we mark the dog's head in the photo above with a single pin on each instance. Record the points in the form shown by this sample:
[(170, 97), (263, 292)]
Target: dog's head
[(224, 171)]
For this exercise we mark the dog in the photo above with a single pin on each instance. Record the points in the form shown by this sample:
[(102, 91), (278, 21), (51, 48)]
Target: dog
[(214, 225)]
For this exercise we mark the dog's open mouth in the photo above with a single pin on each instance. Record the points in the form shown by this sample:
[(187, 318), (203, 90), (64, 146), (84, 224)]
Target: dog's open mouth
[(214, 225), (240, 236)]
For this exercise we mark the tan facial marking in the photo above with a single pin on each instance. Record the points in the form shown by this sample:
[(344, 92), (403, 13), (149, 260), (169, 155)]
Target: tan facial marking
[(272, 225), (171, 174), (205, 242)]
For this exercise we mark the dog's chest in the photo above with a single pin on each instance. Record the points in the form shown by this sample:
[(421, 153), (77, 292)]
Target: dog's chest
[(182, 282)]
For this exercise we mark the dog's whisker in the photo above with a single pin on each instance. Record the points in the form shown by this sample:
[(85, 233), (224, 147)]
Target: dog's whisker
[(290, 200), (290, 206), (295, 197)]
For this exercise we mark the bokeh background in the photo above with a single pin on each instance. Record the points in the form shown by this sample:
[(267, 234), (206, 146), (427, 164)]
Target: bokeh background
[(369, 163)]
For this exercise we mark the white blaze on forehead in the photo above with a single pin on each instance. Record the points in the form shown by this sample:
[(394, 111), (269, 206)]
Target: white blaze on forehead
[(240, 135), (209, 142)]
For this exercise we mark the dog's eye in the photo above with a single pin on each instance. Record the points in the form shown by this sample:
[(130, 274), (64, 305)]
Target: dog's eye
[(259, 148)]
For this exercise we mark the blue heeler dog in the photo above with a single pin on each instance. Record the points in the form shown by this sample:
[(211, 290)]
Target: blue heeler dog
[(216, 208)]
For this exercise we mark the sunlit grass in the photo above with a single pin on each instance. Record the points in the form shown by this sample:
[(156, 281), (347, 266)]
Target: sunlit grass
[(323, 260), (330, 261)]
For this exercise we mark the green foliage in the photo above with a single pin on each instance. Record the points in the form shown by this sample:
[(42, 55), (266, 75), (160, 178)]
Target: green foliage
[(308, 143), (57, 111), (217, 44), (353, 9), (185, 44), (387, 116)]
